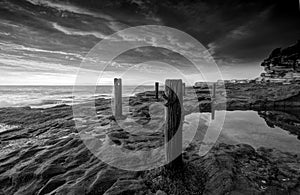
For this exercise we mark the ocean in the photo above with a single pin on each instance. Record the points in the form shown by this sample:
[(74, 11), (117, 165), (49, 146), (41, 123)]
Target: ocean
[(48, 96)]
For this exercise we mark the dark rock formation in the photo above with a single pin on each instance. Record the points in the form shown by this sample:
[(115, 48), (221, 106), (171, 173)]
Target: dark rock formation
[(268, 96), (231, 169), (242, 170), (251, 96), (287, 120), (283, 63)]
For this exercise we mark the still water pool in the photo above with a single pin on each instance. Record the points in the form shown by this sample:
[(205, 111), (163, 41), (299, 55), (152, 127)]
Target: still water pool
[(249, 128)]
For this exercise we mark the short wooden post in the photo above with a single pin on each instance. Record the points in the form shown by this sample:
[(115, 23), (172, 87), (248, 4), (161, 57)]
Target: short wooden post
[(174, 118), (213, 99), (214, 91), (213, 110), (118, 97), (183, 89), (156, 90)]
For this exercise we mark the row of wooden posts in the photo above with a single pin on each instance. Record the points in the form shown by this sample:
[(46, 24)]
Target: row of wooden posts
[(174, 92)]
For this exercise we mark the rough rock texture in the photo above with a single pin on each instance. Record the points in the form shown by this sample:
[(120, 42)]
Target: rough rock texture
[(43, 154), (263, 95), (229, 169), (242, 170), (251, 96), (283, 63)]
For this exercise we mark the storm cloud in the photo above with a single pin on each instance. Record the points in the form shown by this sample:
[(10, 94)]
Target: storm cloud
[(50, 36)]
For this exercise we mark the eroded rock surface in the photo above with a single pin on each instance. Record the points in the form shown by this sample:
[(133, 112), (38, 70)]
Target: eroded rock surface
[(44, 154), (283, 63)]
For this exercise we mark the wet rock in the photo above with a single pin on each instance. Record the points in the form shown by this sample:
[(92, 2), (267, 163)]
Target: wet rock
[(45, 155), (127, 187), (105, 179), (240, 169), (51, 185), (159, 192), (52, 170)]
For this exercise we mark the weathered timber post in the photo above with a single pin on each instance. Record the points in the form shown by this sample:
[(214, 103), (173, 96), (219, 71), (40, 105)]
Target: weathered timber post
[(214, 90), (156, 90), (118, 97), (213, 111), (183, 89), (174, 119), (213, 101)]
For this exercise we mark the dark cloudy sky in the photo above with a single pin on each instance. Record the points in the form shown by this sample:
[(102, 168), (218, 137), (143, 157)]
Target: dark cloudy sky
[(44, 41)]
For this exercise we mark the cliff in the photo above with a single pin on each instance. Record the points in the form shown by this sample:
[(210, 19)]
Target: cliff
[(283, 64)]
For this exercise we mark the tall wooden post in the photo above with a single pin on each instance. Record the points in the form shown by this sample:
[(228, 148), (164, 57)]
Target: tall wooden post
[(118, 97), (183, 89), (174, 118), (156, 90)]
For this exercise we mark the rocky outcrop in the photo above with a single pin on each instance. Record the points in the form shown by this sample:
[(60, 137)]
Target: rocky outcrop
[(250, 96), (231, 169), (240, 169), (44, 154), (283, 64), (264, 96)]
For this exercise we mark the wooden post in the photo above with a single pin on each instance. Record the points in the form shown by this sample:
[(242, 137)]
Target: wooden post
[(213, 110), (118, 97), (183, 89), (214, 91), (213, 99), (173, 130), (156, 90)]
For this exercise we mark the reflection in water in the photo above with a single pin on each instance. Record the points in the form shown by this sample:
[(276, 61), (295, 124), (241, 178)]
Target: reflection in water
[(248, 127), (287, 120)]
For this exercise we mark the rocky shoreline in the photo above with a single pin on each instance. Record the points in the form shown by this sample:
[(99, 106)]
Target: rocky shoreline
[(43, 154), (278, 104), (251, 96)]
